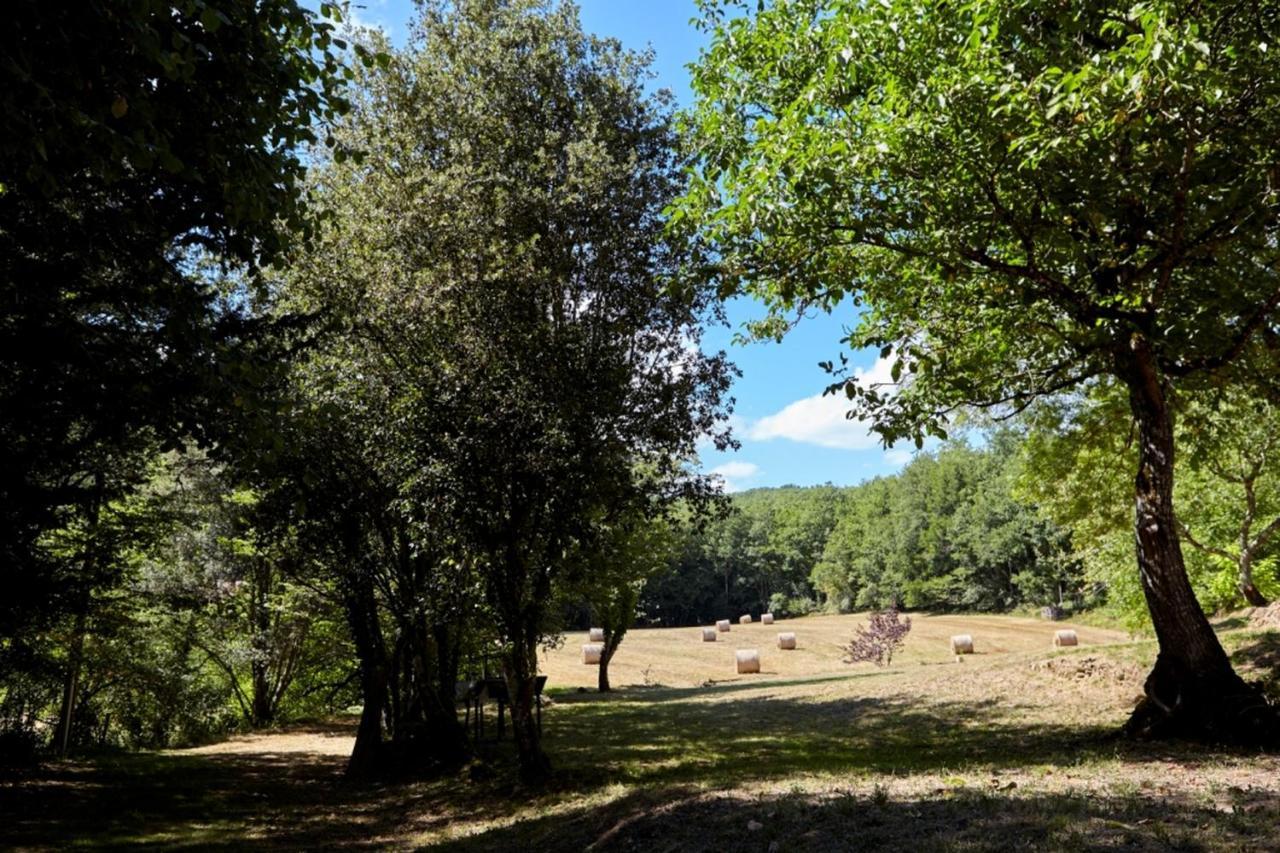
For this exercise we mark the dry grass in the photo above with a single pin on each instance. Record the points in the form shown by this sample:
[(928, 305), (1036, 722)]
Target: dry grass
[(1013, 748), (677, 657)]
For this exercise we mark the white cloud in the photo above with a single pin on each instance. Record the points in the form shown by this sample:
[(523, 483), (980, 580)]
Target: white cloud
[(364, 18), (733, 473), (822, 420), (898, 456)]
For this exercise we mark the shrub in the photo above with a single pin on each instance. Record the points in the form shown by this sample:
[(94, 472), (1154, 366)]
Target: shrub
[(879, 640)]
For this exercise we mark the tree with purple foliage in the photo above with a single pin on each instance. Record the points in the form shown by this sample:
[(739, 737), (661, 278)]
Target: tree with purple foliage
[(879, 640)]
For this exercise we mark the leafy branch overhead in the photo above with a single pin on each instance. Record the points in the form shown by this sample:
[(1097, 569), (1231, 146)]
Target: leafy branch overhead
[(1010, 192)]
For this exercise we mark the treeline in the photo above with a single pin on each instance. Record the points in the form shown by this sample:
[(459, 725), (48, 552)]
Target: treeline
[(1035, 514), (946, 533)]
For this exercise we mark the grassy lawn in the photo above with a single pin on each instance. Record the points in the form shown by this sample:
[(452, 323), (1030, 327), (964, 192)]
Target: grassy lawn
[(1011, 748)]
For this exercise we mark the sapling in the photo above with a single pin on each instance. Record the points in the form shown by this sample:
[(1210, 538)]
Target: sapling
[(878, 641)]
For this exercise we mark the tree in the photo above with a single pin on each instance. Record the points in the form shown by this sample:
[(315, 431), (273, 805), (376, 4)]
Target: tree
[(878, 641), (1020, 198), (1078, 452), (630, 552), (519, 373), (140, 142), (1229, 504)]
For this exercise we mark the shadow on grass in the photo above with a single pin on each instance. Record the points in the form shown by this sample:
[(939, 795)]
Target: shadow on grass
[(686, 741), (958, 819), (669, 745)]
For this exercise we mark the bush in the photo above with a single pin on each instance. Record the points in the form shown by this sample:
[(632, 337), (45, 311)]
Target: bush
[(879, 640), (782, 605)]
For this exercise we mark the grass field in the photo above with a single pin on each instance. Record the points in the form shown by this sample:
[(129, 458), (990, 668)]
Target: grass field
[(1013, 748)]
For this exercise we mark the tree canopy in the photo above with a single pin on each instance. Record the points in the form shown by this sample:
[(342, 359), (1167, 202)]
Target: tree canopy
[(1018, 198)]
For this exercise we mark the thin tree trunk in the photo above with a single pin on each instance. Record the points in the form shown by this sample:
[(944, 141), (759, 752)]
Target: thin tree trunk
[(612, 639), (1192, 691), (606, 655), (263, 710), (70, 684), (1248, 589)]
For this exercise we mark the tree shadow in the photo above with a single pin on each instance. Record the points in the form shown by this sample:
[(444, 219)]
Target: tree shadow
[(966, 819), (668, 746)]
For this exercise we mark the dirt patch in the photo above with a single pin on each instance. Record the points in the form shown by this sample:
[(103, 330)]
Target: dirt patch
[(280, 743), (1089, 667), (1265, 618)]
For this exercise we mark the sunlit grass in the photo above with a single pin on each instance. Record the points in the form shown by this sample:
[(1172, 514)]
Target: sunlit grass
[(1013, 747)]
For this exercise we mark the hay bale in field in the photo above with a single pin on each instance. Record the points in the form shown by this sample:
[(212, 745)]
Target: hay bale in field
[(722, 626), (596, 635), (744, 619), (766, 618), (708, 635), (962, 644), (748, 660), (787, 640), (591, 653), (1065, 637)]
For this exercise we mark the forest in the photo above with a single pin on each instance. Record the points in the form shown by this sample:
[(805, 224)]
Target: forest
[(347, 380)]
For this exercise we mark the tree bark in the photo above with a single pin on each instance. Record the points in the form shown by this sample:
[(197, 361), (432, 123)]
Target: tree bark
[(366, 633), (1248, 589), (606, 655), (521, 674), (71, 684), (1192, 691), (612, 639), (263, 709)]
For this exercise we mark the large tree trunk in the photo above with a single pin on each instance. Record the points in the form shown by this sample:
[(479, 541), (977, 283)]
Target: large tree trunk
[(1192, 691), (521, 674), (366, 633), (449, 736)]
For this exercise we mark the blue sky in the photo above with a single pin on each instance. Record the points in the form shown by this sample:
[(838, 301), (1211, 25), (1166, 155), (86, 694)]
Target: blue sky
[(788, 433)]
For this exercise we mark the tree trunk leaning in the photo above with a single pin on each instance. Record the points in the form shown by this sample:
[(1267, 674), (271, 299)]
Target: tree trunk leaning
[(1192, 691)]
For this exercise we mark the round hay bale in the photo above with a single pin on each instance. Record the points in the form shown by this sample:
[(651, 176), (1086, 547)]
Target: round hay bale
[(962, 644), (591, 653), (744, 619), (1065, 637), (596, 635), (766, 618), (787, 640), (708, 635), (723, 625), (748, 660)]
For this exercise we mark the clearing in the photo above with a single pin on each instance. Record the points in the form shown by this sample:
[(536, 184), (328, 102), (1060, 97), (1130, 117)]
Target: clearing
[(1013, 747)]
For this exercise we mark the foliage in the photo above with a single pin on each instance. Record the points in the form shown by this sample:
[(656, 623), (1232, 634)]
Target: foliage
[(1076, 461), (628, 554), (508, 378), (877, 642), (946, 533), (150, 162), (1019, 198)]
